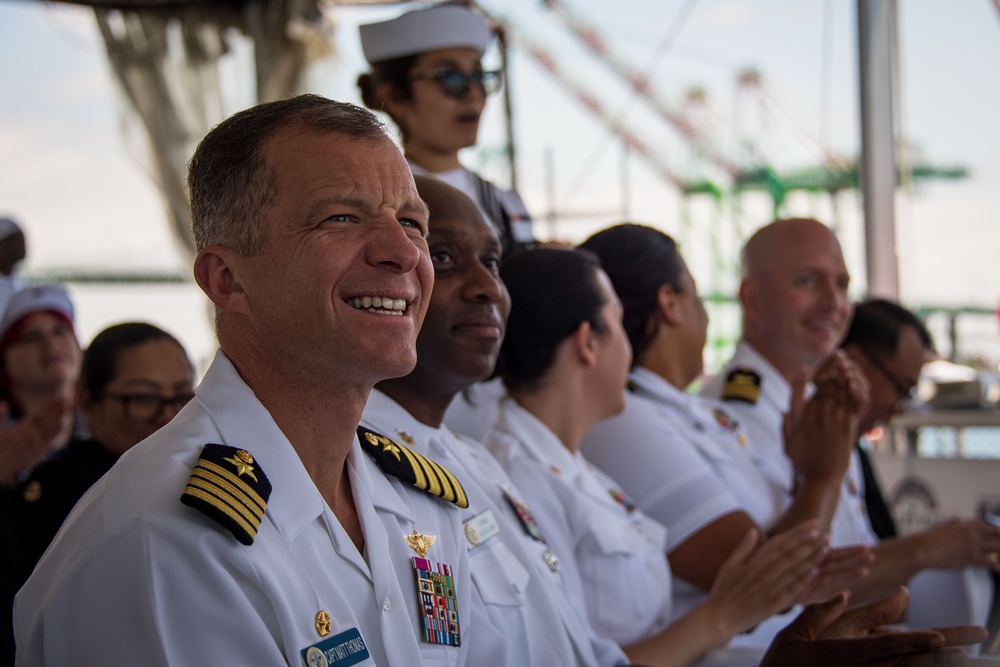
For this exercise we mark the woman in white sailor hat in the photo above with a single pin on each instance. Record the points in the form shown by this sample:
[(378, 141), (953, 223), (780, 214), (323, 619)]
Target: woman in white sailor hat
[(427, 75)]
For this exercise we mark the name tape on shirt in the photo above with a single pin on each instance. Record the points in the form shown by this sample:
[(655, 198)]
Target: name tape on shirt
[(480, 528), (343, 650)]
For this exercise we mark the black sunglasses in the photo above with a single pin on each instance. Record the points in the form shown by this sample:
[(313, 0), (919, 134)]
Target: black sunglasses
[(456, 84)]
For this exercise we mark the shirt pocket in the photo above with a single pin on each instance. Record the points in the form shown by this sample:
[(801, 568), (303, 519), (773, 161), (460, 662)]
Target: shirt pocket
[(499, 577), (626, 578), (501, 582)]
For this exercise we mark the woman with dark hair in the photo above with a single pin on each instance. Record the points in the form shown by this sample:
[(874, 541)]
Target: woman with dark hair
[(565, 360), (134, 379), (427, 75), (680, 456)]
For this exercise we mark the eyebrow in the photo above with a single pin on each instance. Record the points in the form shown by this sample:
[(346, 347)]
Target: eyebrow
[(451, 62), (412, 207), (415, 207), (449, 234)]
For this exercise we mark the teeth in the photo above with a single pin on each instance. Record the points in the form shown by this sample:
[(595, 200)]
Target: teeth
[(378, 304), (822, 325)]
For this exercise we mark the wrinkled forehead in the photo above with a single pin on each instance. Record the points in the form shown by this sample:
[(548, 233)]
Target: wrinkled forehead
[(299, 159), (300, 146)]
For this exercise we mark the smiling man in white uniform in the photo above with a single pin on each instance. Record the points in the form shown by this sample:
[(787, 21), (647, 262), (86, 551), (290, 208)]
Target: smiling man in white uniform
[(795, 313), (258, 528)]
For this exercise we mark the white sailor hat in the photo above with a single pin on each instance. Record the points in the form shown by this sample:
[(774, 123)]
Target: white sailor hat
[(34, 299), (445, 26)]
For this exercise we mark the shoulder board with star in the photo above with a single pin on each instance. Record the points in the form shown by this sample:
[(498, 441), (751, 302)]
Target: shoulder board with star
[(227, 485), (411, 467), (743, 385)]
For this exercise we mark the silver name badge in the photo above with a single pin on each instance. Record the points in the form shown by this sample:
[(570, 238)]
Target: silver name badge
[(480, 528)]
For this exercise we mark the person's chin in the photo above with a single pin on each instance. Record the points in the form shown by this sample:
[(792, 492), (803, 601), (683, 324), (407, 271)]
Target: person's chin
[(822, 342)]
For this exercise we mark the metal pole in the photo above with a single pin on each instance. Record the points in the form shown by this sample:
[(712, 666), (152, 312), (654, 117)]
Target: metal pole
[(626, 182), (550, 189), (507, 105), (876, 47)]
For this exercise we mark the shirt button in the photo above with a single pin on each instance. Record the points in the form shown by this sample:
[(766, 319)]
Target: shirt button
[(387, 605)]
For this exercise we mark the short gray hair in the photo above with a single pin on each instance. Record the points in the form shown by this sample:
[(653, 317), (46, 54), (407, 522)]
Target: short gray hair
[(229, 179)]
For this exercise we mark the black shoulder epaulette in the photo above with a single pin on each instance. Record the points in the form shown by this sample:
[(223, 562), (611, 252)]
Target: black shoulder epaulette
[(227, 486), (402, 462), (742, 384)]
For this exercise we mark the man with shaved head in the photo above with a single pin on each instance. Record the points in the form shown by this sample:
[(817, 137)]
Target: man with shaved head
[(794, 288), (795, 314)]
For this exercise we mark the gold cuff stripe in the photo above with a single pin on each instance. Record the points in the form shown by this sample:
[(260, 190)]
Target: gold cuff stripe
[(742, 392), (223, 507), (444, 483), (423, 472), (420, 480), (420, 471), (748, 397), (460, 498), (238, 488), (448, 492), (218, 489)]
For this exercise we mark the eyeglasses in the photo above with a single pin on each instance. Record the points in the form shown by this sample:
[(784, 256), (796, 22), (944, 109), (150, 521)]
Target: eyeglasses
[(456, 84), (905, 391), (147, 407)]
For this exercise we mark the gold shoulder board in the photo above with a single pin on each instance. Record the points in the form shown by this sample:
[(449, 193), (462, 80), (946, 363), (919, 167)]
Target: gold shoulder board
[(228, 485), (742, 384), (402, 462)]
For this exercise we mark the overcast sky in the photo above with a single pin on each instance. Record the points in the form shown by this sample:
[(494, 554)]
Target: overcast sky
[(78, 183)]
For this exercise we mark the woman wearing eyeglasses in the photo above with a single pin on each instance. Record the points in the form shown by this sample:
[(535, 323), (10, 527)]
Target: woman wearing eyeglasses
[(427, 75), (135, 377)]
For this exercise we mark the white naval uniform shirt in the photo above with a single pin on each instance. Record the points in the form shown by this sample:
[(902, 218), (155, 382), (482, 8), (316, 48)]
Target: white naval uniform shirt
[(682, 459), (529, 619), (135, 577), (620, 554), (473, 412), (763, 421)]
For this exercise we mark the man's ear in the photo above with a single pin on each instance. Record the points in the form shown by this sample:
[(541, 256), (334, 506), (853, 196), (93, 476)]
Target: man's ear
[(668, 304), (217, 270), (748, 294), (584, 341)]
